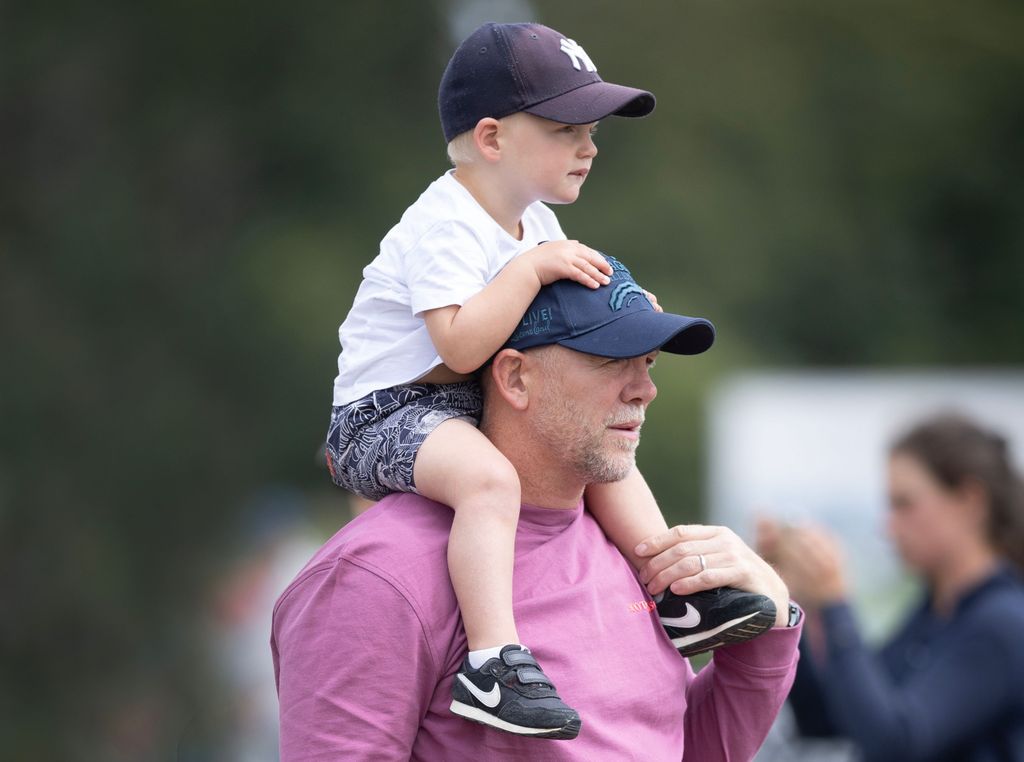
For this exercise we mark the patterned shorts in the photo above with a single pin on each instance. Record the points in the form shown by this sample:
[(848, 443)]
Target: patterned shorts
[(372, 442)]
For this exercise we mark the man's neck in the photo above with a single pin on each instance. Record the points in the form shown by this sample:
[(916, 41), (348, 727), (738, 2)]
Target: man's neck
[(490, 194), (546, 489), (543, 481)]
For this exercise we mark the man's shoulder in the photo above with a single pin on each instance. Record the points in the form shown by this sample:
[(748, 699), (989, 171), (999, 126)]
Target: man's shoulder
[(401, 541), (400, 527), (382, 579)]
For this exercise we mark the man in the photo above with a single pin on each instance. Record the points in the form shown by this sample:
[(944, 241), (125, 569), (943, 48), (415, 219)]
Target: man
[(367, 639)]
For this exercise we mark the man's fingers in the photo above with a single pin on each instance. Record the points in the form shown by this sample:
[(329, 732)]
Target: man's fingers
[(679, 533), (690, 549), (675, 560), (688, 575), (706, 580)]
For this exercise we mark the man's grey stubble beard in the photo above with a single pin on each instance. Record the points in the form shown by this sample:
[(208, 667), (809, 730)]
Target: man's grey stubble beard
[(565, 428)]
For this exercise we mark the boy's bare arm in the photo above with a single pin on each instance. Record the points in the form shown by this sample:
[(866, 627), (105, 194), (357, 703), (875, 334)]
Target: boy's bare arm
[(467, 336), (627, 512)]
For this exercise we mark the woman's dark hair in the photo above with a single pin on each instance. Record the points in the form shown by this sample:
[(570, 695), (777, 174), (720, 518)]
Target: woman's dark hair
[(957, 451)]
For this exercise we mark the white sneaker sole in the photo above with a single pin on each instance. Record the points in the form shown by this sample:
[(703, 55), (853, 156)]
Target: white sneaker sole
[(755, 630), (479, 715)]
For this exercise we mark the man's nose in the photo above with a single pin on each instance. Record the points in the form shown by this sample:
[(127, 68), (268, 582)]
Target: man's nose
[(640, 388)]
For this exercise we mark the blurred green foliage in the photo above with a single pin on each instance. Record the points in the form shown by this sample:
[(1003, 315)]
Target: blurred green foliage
[(189, 192)]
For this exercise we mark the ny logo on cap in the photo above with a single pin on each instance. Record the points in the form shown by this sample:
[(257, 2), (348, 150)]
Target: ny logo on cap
[(576, 54)]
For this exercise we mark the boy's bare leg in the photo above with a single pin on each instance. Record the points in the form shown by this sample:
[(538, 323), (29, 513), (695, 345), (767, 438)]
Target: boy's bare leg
[(458, 466), (627, 512)]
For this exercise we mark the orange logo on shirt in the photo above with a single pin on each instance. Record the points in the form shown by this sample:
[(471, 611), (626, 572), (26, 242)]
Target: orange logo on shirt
[(641, 607)]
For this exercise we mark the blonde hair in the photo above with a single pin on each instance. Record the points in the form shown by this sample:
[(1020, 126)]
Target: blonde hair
[(461, 149)]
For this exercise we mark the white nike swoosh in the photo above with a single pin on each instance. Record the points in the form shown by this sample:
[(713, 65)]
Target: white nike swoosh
[(690, 619), (489, 699)]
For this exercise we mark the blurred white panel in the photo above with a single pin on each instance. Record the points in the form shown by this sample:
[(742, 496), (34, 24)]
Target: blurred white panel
[(812, 446)]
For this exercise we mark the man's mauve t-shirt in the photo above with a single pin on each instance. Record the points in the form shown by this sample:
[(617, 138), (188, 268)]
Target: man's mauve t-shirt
[(367, 639)]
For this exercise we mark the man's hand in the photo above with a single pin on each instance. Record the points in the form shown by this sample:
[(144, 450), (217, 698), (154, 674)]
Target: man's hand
[(674, 561), (558, 260)]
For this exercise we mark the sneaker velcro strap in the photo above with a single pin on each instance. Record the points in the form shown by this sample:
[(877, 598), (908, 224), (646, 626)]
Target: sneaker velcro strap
[(532, 675), (519, 658)]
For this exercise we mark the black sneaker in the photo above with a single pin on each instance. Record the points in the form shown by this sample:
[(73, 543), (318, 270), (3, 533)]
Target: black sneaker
[(511, 693), (701, 621)]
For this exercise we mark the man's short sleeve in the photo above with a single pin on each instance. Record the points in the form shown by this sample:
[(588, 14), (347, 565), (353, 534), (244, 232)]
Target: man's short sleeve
[(446, 267), (354, 667)]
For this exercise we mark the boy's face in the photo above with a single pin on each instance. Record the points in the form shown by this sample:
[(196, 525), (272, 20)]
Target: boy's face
[(544, 160)]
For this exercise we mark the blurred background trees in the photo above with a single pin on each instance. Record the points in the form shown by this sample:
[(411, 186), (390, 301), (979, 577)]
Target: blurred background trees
[(189, 193)]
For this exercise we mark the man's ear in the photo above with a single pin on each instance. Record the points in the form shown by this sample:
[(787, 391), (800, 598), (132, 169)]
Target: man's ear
[(485, 138), (507, 374)]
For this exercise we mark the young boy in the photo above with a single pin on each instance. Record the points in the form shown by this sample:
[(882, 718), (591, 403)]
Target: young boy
[(518, 105)]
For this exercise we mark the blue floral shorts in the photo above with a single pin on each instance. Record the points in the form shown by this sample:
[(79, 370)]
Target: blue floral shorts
[(372, 442)]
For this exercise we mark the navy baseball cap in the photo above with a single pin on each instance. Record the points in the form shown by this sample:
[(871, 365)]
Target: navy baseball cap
[(615, 320), (501, 69)]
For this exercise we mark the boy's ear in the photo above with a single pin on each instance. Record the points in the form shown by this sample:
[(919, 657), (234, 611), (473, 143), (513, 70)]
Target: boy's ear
[(485, 138)]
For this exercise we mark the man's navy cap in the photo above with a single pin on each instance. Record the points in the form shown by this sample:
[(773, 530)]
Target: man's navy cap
[(615, 320), (501, 69)]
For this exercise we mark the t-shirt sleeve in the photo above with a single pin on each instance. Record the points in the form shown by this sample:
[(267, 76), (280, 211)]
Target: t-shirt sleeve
[(734, 700), (333, 632), (447, 266)]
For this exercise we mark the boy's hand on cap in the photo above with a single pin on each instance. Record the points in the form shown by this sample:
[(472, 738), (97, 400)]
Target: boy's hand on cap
[(571, 260), (653, 300)]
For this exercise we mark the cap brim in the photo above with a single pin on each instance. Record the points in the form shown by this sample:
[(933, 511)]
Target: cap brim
[(638, 333), (593, 102)]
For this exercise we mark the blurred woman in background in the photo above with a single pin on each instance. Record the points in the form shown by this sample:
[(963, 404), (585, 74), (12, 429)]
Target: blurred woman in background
[(950, 684)]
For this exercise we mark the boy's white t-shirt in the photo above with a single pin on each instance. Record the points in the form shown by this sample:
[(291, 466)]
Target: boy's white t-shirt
[(444, 250)]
